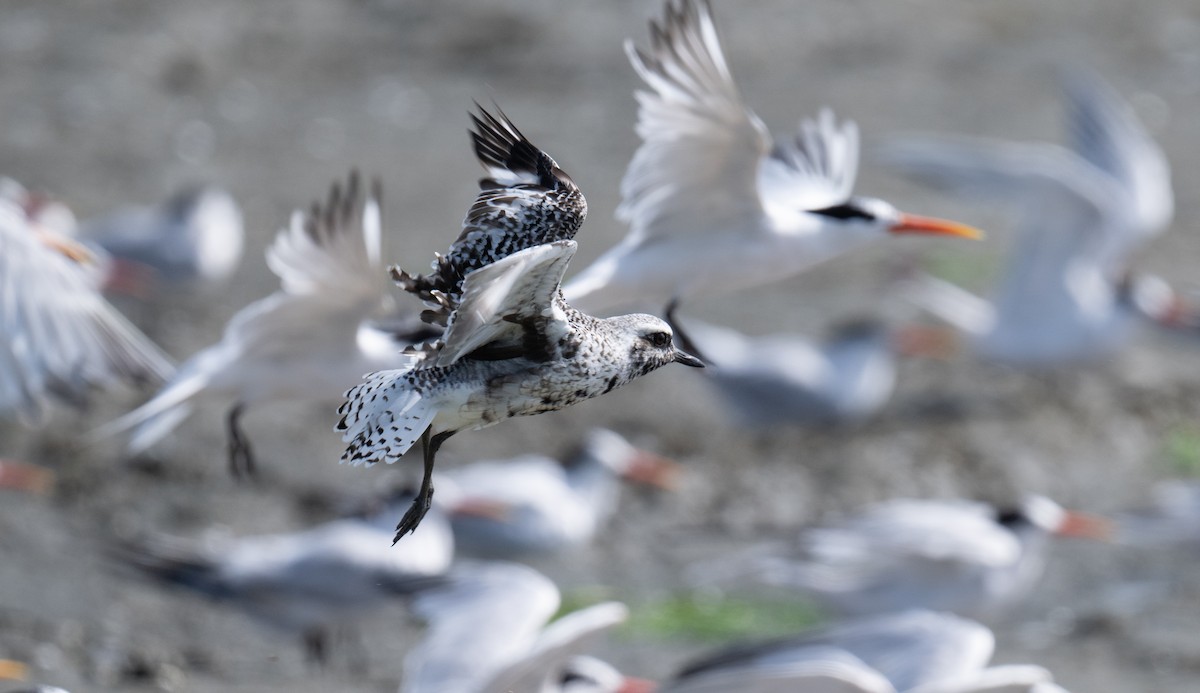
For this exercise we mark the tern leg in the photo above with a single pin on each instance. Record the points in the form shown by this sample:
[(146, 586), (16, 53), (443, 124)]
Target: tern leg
[(241, 457), (316, 646), (685, 340), (420, 505)]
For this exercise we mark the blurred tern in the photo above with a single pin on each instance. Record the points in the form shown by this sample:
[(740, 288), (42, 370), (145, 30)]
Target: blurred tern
[(1067, 293), (307, 341), (512, 345), (304, 582), (910, 651), (59, 338), (713, 203), (786, 379), (538, 505), (966, 557), (193, 239), (488, 634)]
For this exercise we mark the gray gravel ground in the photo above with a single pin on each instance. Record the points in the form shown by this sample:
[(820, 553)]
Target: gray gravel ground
[(120, 101)]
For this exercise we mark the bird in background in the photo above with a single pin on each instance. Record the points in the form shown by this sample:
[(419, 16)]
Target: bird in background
[(962, 556), (786, 379), (310, 340), (303, 583), (713, 203), (535, 505), (914, 651), (512, 345), (193, 239), (60, 340), (1067, 292), (487, 633)]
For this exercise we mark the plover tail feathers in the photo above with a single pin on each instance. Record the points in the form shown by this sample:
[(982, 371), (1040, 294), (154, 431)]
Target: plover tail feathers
[(382, 418)]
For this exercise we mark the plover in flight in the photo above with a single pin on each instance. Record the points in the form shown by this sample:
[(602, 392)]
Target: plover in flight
[(512, 345), (709, 194), (1067, 293), (60, 338), (309, 340)]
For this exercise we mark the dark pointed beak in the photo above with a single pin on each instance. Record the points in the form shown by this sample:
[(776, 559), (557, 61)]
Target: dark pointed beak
[(687, 359)]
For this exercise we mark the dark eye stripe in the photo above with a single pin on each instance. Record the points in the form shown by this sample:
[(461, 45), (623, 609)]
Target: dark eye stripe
[(845, 210)]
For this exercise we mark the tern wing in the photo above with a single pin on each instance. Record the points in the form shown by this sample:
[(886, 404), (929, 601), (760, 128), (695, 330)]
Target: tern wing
[(512, 305), (701, 150), (486, 618), (815, 169), (334, 249), (559, 642), (1105, 131), (526, 201), (58, 336)]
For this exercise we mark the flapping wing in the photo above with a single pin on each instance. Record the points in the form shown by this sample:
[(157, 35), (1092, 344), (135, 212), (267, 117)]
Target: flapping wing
[(58, 336), (504, 301), (334, 249), (1105, 131), (698, 165), (565, 638), (526, 201), (814, 170), (487, 617)]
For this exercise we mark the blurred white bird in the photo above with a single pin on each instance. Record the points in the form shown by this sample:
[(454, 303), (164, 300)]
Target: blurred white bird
[(59, 338), (961, 556), (787, 379), (193, 239), (488, 634), (913, 651), (535, 505), (714, 205), (307, 341), (1067, 293), (304, 582)]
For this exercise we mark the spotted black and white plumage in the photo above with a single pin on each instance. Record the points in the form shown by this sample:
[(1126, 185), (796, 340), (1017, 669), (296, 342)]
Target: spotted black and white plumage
[(512, 345), (525, 201)]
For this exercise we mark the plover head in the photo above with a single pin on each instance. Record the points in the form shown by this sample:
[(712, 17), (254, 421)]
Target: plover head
[(648, 344)]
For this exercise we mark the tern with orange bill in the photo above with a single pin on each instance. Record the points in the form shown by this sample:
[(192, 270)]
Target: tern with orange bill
[(1067, 292), (967, 557), (536, 505), (713, 203), (59, 338)]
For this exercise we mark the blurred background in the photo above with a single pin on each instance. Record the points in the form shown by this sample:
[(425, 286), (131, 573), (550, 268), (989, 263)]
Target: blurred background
[(105, 104)]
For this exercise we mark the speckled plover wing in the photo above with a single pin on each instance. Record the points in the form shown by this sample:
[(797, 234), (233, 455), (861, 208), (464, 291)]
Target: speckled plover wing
[(508, 306), (526, 201)]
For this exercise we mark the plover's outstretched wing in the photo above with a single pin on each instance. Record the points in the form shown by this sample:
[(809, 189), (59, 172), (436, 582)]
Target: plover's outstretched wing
[(526, 201), (510, 305), (509, 308), (58, 336), (707, 162)]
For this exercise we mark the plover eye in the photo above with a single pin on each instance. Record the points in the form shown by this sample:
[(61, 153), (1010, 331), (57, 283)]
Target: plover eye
[(659, 340)]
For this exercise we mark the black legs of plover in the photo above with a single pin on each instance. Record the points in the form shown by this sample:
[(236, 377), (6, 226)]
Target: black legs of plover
[(430, 443), (684, 340), (241, 457)]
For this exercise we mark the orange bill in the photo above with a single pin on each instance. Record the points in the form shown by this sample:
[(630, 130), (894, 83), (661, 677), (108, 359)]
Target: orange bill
[(913, 223), (653, 470), (1085, 526)]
